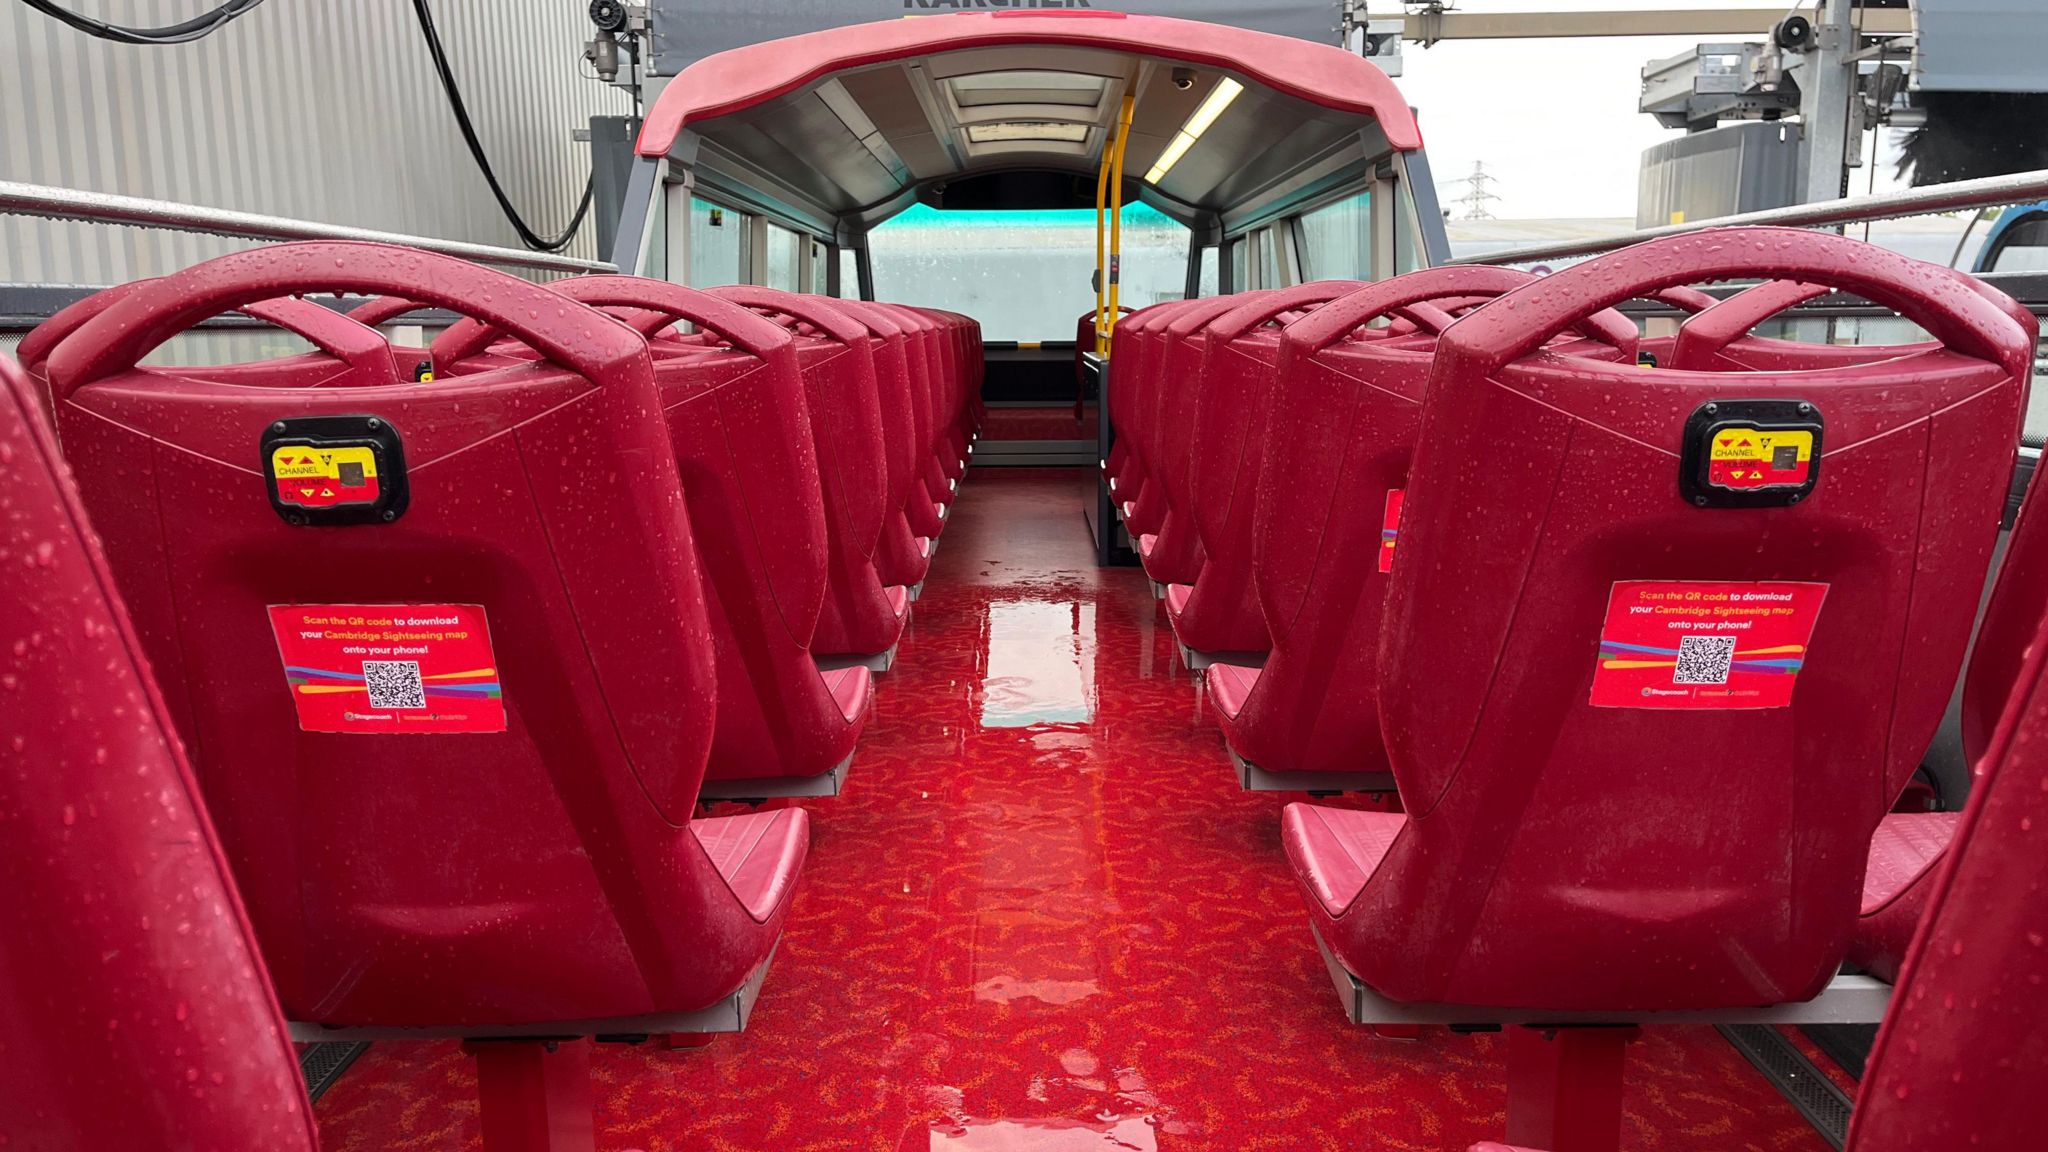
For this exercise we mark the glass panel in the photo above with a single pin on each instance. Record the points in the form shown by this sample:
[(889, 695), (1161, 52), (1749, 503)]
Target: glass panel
[(1206, 286), (1024, 275), (849, 274), (1336, 240), (1240, 264), (782, 258), (1269, 259), (2023, 248), (718, 245), (1407, 254)]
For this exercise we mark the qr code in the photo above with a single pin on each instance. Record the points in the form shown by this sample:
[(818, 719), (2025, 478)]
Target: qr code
[(394, 684), (1704, 659)]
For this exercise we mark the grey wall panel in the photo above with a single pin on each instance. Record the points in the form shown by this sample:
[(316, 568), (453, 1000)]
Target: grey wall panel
[(324, 110)]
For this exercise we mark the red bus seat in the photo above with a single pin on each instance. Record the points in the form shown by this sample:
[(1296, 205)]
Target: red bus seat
[(1959, 1061), (537, 861), (1214, 616), (128, 956), (863, 617), (1733, 879), (1341, 424), (739, 426)]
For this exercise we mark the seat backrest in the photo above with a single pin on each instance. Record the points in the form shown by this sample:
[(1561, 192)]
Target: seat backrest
[(928, 391), (1341, 424), (1342, 412), (1175, 369), (127, 956), (844, 397), (740, 428), (1666, 704), (1240, 352), (1960, 1061), (2020, 593), (455, 725), (887, 349), (2019, 598), (1133, 348)]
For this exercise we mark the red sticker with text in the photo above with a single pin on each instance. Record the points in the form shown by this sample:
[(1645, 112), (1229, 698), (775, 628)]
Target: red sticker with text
[(1390, 529), (1687, 644), (390, 667)]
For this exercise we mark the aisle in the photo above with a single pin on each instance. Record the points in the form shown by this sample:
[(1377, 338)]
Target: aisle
[(1042, 917)]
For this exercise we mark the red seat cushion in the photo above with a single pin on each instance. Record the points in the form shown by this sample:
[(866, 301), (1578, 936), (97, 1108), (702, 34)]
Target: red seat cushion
[(1230, 684), (1335, 850), (899, 598), (1177, 598), (1895, 888), (1146, 542), (758, 854), (849, 688)]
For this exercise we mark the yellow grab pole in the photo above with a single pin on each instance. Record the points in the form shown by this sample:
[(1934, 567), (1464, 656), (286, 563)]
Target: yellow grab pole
[(1116, 223), (1101, 279)]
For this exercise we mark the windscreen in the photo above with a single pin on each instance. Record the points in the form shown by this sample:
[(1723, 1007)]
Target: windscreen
[(1025, 275)]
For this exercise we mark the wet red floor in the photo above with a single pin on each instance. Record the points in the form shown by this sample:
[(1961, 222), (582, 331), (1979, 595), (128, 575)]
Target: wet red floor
[(1042, 917)]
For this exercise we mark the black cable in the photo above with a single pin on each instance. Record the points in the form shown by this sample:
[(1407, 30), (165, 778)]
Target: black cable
[(183, 32), (476, 148)]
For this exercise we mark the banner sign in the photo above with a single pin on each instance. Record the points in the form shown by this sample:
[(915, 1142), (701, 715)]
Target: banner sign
[(686, 31)]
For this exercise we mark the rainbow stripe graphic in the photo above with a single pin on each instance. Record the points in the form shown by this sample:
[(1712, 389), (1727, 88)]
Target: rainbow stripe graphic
[(468, 685), (1785, 659)]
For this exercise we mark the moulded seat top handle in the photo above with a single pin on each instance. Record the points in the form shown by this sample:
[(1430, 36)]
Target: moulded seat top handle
[(666, 302), (1405, 294), (1705, 334), (1948, 304), (1251, 314), (574, 338), (821, 312)]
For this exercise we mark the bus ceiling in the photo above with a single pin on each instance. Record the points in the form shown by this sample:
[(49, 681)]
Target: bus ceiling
[(837, 130)]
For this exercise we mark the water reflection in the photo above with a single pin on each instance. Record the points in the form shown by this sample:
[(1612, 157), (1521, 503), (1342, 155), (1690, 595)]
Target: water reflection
[(1133, 1134), (1040, 665)]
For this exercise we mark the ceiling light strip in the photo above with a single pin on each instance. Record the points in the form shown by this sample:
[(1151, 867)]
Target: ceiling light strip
[(1226, 90)]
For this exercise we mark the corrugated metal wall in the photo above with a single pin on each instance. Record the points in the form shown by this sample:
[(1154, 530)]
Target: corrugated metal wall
[(323, 110)]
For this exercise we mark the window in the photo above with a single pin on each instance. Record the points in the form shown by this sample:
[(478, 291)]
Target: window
[(1336, 240), (1407, 233), (849, 274), (1240, 264), (1269, 259), (1206, 282), (780, 266), (718, 249), (1026, 275), (2023, 247)]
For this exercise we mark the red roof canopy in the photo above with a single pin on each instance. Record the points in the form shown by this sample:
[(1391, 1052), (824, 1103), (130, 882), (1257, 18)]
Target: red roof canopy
[(742, 78)]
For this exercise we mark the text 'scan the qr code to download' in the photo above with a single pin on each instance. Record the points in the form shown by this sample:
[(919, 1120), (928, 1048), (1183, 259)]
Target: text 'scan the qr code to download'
[(390, 668), (1698, 644)]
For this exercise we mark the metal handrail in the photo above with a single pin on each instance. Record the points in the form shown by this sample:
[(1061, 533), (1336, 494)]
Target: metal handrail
[(2019, 188), (136, 211)]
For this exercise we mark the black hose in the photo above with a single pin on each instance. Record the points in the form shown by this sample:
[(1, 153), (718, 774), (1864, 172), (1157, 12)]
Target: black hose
[(183, 32), (531, 238)]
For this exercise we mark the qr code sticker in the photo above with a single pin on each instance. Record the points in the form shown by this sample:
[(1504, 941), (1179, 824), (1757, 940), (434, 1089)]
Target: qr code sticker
[(1704, 659), (394, 684)]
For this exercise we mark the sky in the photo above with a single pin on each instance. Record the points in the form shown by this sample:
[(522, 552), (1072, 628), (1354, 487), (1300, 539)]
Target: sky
[(1554, 120)]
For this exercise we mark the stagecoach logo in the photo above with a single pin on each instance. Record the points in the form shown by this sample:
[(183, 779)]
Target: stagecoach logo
[(967, 5)]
